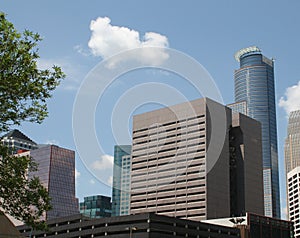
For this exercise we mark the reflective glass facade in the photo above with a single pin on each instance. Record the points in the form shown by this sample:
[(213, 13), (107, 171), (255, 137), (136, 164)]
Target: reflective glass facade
[(96, 206), (57, 173), (121, 175), (254, 83)]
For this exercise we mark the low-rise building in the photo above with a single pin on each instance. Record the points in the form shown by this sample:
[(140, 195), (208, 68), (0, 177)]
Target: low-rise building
[(147, 225), (257, 226), (96, 206)]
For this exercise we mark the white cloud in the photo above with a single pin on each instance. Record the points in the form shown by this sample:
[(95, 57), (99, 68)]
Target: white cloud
[(92, 181), (110, 181), (77, 174), (291, 101), (108, 40), (81, 50), (105, 162), (284, 212), (52, 142)]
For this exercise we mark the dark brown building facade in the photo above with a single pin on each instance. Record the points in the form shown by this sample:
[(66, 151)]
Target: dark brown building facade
[(136, 226), (56, 170)]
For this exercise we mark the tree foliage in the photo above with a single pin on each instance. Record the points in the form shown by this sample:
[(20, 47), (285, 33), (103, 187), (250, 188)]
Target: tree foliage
[(23, 197), (24, 90)]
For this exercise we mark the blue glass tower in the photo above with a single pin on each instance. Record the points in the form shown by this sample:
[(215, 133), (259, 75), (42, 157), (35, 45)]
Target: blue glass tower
[(254, 84), (120, 195)]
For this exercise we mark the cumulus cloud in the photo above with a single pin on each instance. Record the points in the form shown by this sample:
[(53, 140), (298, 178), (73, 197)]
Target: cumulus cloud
[(105, 162), (108, 40), (77, 174), (291, 100)]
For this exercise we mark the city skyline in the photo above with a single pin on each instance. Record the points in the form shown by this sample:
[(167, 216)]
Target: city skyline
[(209, 32)]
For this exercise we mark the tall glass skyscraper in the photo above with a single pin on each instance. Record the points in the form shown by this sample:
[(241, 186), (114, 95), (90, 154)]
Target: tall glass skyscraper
[(121, 180), (254, 84), (56, 171)]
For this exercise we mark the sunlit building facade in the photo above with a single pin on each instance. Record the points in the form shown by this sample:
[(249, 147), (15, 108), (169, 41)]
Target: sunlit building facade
[(292, 142), (254, 84), (121, 180), (125, 185), (292, 167), (293, 196), (172, 152)]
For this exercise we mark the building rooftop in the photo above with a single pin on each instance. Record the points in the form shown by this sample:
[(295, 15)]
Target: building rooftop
[(7, 229), (16, 134), (251, 49)]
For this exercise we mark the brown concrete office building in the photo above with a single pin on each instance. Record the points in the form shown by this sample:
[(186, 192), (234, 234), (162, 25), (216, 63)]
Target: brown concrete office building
[(195, 161)]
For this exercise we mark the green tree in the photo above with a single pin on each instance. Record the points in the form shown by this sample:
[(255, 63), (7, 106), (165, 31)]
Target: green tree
[(24, 89)]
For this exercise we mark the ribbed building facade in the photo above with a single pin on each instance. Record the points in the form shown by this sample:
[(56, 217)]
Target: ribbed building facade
[(254, 84), (171, 163), (292, 167), (147, 225), (292, 142), (125, 185), (293, 195)]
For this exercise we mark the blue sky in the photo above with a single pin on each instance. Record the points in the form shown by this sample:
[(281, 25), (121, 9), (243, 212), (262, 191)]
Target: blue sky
[(209, 31)]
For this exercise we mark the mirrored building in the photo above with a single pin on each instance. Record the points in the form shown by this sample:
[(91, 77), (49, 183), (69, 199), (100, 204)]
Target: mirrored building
[(96, 206), (254, 84), (121, 180), (56, 170)]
